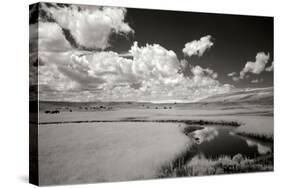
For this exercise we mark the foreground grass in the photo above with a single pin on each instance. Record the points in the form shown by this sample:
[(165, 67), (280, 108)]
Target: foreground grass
[(83, 153), (199, 166)]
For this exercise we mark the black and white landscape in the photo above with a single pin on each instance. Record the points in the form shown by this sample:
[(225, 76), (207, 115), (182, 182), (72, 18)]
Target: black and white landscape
[(131, 94)]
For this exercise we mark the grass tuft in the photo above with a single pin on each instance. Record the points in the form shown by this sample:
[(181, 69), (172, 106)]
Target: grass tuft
[(199, 166)]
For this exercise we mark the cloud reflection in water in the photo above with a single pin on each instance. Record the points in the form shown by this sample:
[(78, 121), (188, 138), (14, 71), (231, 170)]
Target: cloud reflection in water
[(206, 134)]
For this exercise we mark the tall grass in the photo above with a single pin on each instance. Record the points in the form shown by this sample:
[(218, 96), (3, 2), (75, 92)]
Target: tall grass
[(199, 166)]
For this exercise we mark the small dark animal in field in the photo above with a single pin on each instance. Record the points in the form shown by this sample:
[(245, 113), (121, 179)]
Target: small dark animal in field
[(55, 112), (52, 112)]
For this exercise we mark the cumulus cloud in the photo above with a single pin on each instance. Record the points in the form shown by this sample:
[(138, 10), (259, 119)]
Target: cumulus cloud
[(200, 72), (153, 73), (50, 78), (161, 62), (198, 47), (236, 78), (255, 81), (231, 74), (255, 67), (51, 38), (270, 68), (151, 66), (184, 67), (91, 26), (69, 71)]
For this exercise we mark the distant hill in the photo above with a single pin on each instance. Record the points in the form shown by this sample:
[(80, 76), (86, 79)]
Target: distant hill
[(257, 96)]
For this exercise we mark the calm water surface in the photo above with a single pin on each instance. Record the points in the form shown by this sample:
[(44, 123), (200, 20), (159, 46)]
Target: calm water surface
[(215, 141)]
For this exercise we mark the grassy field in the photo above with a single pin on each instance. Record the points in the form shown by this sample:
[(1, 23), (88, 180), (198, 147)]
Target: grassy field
[(255, 120), (79, 153), (121, 150)]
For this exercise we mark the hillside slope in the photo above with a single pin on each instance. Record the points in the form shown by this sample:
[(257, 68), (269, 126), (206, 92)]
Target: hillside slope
[(262, 96)]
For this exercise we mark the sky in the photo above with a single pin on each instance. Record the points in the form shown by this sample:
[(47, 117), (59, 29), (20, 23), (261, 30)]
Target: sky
[(90, 53)]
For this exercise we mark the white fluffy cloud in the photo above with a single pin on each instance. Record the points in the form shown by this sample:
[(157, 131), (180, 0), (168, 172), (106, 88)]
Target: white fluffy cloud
[(270, 68), (152, 65), (231, 74), (255, 67), (236, 78), (90, 26), (255, 81), (51, 79), (198, 47), (148, 73), (152, 74), (51, 38), (200, 72)]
